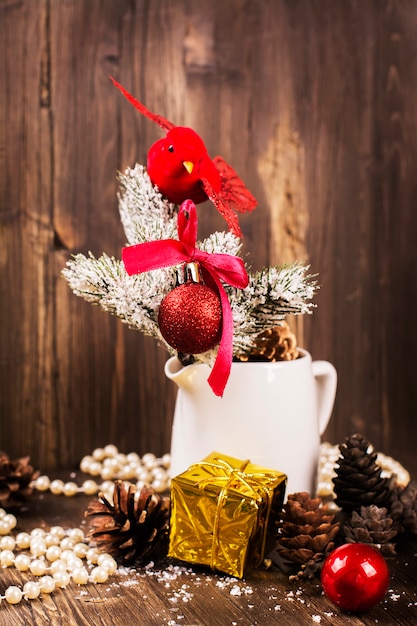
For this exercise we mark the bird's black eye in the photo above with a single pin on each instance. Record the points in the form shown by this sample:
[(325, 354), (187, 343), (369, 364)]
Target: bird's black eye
[(171, 148)]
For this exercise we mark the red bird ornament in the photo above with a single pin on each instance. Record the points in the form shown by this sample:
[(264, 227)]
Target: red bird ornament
[(180, 166)]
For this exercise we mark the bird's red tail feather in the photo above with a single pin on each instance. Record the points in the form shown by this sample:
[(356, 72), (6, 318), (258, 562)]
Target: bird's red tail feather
[(161, 121)]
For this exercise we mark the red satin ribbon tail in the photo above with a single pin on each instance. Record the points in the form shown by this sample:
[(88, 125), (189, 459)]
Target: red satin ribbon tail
[(219, 376), (220, 371)]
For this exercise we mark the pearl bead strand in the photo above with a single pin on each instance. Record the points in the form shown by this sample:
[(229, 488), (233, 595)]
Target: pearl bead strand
[(55, 557), (109, 464)]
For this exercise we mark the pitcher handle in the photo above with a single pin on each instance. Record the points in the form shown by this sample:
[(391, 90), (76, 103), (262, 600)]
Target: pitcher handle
[(326, 382)]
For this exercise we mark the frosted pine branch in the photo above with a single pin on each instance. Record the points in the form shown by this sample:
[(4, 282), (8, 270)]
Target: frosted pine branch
[(145, 214), (134, 299), (221, 243), (271, 295)]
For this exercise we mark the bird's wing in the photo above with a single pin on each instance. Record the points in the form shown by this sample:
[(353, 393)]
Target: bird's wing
[(158, 119), (225, 211), (234, 191)]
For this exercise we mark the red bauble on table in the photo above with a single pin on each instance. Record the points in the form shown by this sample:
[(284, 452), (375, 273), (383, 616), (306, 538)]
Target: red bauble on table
[(190, 318), (355, 577)]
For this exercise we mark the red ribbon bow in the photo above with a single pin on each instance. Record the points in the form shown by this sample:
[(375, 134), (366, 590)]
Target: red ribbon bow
[(153, 255)]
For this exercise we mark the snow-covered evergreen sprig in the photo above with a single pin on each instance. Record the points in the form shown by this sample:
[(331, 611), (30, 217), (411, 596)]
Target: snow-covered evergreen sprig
[(134, 299), (271, 295), (146, 215)]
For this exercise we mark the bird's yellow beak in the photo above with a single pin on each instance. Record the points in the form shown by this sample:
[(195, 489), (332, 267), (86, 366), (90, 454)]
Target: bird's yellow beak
[(189, 166)]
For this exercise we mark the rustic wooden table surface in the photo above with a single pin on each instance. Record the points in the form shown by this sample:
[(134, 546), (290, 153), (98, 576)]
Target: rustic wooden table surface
[(174, 594)]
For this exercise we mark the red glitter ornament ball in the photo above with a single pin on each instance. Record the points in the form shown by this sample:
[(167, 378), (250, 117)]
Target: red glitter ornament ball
[(355, 577), (190, 318)]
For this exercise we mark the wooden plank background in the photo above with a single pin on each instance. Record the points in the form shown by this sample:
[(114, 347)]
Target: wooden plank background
[(314, 102)]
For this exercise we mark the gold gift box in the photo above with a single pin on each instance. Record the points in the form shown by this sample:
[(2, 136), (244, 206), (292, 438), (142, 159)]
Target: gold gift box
[(223, 513)]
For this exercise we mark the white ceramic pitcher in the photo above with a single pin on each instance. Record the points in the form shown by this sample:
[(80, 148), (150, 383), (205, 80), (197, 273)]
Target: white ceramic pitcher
[(270, 413)]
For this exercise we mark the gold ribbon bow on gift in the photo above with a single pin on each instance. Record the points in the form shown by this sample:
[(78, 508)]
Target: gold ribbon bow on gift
[(231, 476)]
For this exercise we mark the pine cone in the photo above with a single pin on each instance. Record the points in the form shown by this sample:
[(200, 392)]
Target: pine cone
[(306, 532), (273, 344), (134, 528), (15, 479), (358, 480), (373, 526), (403, 507)]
